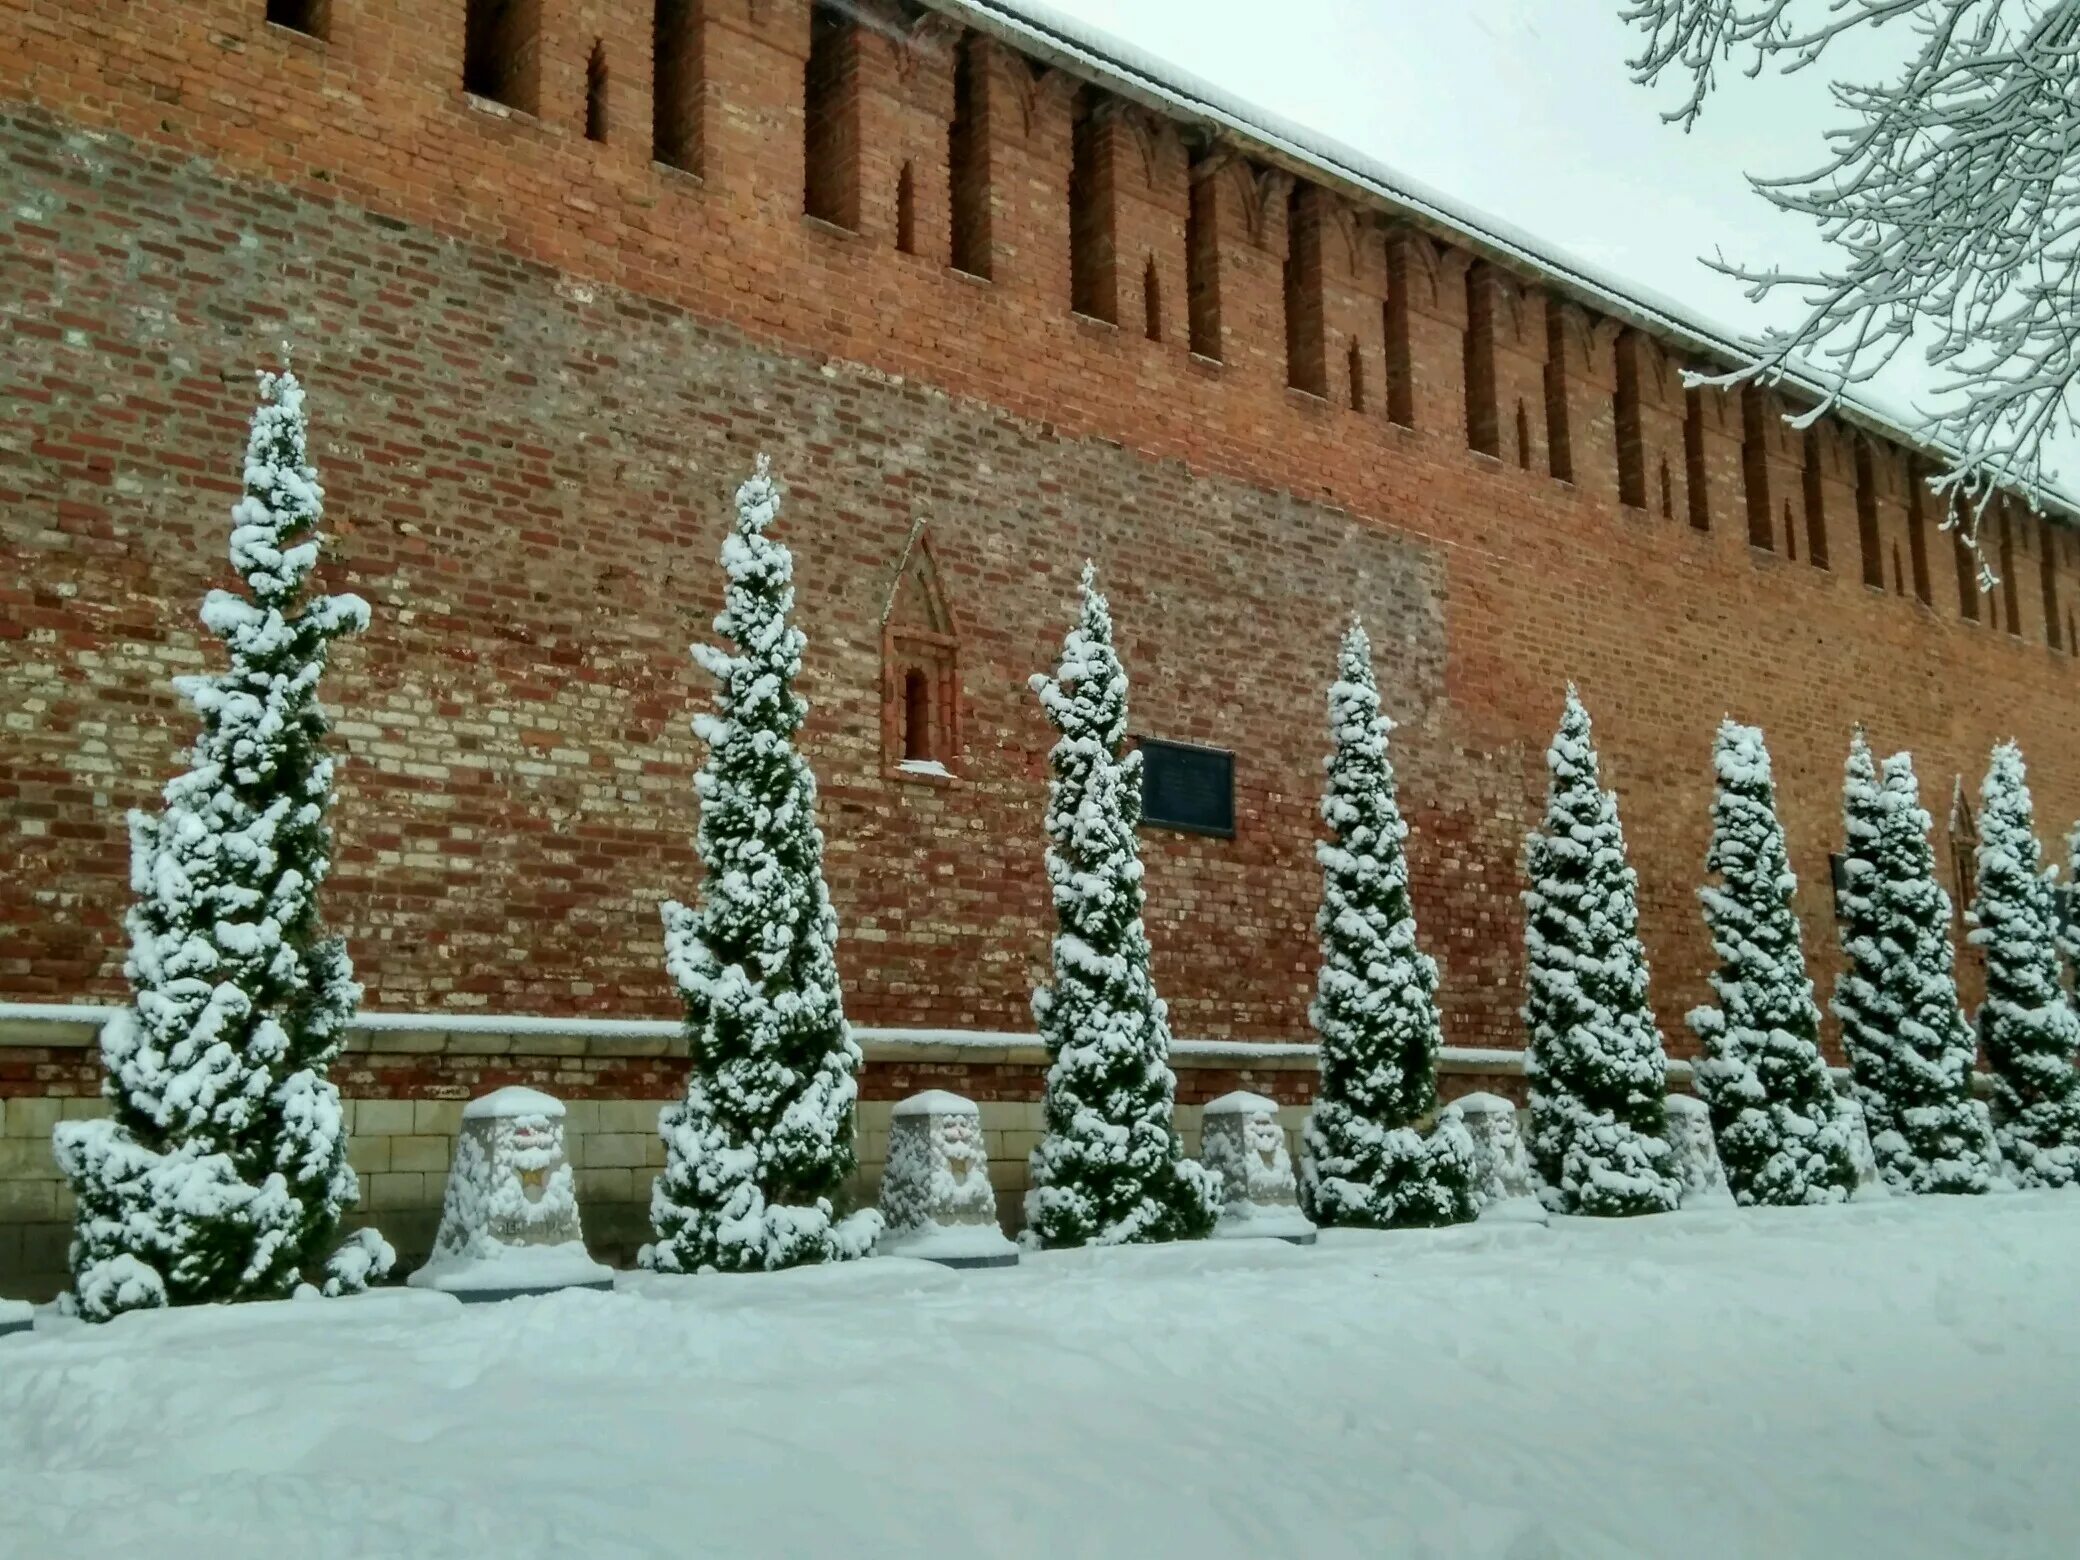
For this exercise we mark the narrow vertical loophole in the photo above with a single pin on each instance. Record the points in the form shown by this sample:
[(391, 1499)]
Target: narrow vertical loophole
[(906, 211), (596, 92)]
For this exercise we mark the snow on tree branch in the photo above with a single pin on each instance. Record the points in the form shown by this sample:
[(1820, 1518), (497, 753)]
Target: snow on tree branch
[(1950, 197)]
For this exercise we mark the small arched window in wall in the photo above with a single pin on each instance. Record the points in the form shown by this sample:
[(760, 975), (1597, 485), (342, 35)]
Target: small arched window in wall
[(920, 674), (1357, 372), (917, 716), (1152, 300), (1523, 437)]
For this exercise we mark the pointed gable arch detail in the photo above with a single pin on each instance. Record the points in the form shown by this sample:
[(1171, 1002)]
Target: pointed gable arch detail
[(920, 670)]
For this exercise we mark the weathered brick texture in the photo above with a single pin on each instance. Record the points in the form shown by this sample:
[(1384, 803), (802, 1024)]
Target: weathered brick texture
[(540, 363)]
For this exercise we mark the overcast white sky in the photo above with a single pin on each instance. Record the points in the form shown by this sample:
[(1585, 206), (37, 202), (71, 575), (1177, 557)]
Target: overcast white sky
[(1524, 109)]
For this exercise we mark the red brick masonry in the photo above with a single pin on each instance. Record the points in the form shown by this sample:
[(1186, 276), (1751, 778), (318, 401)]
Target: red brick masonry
[(540, 363)]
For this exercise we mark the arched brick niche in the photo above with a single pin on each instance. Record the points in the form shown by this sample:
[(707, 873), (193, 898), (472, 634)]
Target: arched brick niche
[(920, 674)]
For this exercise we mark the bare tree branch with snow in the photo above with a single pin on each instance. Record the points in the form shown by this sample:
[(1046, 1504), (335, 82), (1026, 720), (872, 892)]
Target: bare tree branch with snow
[(1950, 197)]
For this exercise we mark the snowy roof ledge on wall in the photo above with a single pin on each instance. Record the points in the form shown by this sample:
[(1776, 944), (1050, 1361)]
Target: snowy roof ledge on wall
[(1035, 29)]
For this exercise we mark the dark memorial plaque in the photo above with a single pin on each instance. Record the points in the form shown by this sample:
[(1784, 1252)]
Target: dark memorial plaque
[(1187, 787)]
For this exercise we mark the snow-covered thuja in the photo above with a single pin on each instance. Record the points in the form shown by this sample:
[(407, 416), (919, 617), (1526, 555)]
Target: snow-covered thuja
[(758, 1152), (1909, 1050), (1109, 1169), (1364, 1161), (1781, 1134), (221, 1170), (1594, 1066), (2028, 1029), (2068, 932)]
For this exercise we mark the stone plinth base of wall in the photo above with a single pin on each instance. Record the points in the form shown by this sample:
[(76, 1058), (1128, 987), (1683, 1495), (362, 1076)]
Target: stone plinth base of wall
[(407, 1079)]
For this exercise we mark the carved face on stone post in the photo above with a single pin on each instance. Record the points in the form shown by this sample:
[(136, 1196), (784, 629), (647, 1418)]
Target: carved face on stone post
[(1696, 1150), (510, 1184), (1240, 1137), (1502, 1168), (962, 1149), (938, 1165), (936, 1198)]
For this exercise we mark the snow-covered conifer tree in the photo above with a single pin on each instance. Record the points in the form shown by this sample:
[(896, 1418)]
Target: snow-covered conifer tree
[(1110, 1169), (1781, 1132), (759, 1151), (1594, 1064), (2028, 1028), (221, 1170), (2068, 934), (1909, 1050), (1861, 1002), (1375, 1007)]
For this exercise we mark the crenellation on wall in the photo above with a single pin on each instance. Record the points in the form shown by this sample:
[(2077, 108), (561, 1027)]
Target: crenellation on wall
[(1829, 499), (1649, 414), (1582, 347), (1772, 474), (1426, 287)]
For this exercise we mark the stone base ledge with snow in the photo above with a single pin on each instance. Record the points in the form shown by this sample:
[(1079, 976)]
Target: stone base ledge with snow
[(510, 1224)]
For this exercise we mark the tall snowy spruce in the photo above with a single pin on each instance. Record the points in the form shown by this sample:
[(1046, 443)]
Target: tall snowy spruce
[(1110, 1169), (221, 1172), (1910, 1052), (1375, 1007), (1594, 1064), (759, 1151), (1781, 1132), (2028, 1029)]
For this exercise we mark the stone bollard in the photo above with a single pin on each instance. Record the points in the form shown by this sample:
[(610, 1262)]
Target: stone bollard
[(16, 1316), (937, 1203), (509, 1223), (1869, 1182), (1696, 1153), (1990, 1146), (1502, 1178), (1241, 1141)]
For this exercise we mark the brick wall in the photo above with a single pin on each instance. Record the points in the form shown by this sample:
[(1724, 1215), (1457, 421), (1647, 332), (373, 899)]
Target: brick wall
[(540, 363)]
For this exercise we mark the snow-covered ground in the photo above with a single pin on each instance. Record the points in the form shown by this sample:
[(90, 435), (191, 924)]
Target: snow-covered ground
[(1891, 1379)]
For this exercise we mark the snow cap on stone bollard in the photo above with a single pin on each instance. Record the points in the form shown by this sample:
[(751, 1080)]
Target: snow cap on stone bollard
[(1502, 1179), (1696, 1153), (937, 1203), (509, 1224), (1241, 1141)]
